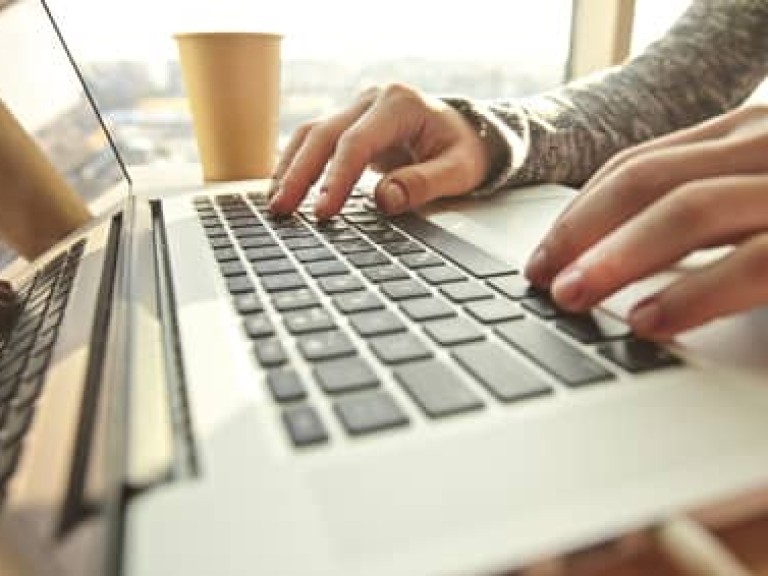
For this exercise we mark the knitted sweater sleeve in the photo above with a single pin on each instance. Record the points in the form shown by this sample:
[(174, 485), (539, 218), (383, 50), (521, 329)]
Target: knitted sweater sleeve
[(708, 62)]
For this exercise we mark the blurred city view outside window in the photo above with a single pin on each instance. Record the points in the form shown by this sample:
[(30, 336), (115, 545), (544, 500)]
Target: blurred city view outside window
[(331, 51)]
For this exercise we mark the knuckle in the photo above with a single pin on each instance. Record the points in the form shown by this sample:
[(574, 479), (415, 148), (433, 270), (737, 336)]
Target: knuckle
[(353, 141), (754, 263), (417, 184), (400, 93), (692, 207), (634, 171)]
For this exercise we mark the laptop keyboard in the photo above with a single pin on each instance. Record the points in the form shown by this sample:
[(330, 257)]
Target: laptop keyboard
[(27, 348), (376, 305)]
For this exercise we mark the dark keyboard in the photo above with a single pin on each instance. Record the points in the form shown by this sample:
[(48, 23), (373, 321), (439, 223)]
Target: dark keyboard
[(26, 350), (384, 312)]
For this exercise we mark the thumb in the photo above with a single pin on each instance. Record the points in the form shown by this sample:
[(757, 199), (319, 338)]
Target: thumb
[(411, 186)]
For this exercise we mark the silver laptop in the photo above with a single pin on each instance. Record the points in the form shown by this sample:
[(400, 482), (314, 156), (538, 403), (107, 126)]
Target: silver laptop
[(194, 386)]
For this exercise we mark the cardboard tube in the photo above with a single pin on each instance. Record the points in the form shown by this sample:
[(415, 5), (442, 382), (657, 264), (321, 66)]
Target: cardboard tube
[(37, 206)]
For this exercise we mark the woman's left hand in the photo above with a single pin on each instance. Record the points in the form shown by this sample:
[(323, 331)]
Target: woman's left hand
[(652, 205)]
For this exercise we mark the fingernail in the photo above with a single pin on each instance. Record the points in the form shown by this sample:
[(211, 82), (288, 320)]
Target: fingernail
[(274, 189), (392, 198), (274, 200), (568, 287), (536, 269), (321, 204), (646, 318)]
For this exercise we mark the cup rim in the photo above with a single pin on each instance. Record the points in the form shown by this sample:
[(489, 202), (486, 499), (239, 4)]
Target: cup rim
[(230, 33)]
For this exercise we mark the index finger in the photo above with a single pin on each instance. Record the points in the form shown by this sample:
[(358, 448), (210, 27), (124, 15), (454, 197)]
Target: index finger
[(308, 153), (385, 124)]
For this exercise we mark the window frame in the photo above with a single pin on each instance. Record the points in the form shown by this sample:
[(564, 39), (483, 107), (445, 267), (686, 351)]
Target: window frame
[(601, 35)]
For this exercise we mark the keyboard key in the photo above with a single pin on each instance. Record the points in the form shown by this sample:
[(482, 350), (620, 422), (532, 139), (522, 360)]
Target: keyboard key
[(357, 302), (225, 254), (453, 331), (286, 234), (302, 242), (258, 326), (379, 323), (421, 260), (438, 390), (513, 286), (427, 309), (378, 274), (309, 320), (353, 246), (386, 237), (326, 268), (493, 310), (285, 385), (441, 275), (270, 353), (257, 242), (294, 299), (467, 256), (362, 218), (314, 254), (562, 359), (399, 348), (268, 267), (304, 426), (368, 259), (592, 327), (220, 242), (369, 413), (400, 248), (239, 285), (325, 346), (337, 237), (340, 284), (232, 268), (404, 289), (345, 375), (636, 355), (543, 306), (460, 292), (281, 282), (503, 373), (265, 253)]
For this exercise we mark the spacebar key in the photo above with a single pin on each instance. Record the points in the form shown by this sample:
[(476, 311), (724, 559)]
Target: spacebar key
[(470, 257)]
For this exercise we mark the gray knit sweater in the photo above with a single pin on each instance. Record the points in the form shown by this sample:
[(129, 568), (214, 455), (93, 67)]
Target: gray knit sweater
[(709, 61)]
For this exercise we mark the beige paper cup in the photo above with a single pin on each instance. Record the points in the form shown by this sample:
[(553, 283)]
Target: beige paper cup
[(232, 80), (37, 206)]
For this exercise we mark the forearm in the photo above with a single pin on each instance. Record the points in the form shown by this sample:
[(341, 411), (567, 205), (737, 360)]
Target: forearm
[(709, 62)]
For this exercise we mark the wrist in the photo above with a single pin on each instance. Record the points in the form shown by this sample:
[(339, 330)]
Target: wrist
[(493, 143)]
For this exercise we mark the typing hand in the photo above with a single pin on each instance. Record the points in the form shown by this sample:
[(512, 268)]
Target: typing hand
[(654, 204), (423, 147)]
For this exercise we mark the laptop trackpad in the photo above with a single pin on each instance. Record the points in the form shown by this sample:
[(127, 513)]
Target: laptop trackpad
[(529, 481)]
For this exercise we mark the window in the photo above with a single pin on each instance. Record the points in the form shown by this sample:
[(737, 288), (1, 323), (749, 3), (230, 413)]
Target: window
[(652, 19), (332, 50)]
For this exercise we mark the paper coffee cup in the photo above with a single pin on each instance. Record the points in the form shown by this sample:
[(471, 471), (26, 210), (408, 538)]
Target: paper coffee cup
[(37, 206), (232, 80)]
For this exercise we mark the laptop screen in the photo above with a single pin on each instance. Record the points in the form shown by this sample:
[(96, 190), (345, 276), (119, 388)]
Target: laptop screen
[(40, 86)]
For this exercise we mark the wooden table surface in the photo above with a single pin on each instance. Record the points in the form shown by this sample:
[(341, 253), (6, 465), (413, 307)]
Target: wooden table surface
[(747, 541)]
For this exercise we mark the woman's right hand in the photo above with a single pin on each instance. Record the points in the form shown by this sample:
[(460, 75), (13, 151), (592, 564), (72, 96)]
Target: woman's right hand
[(422, 146)]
